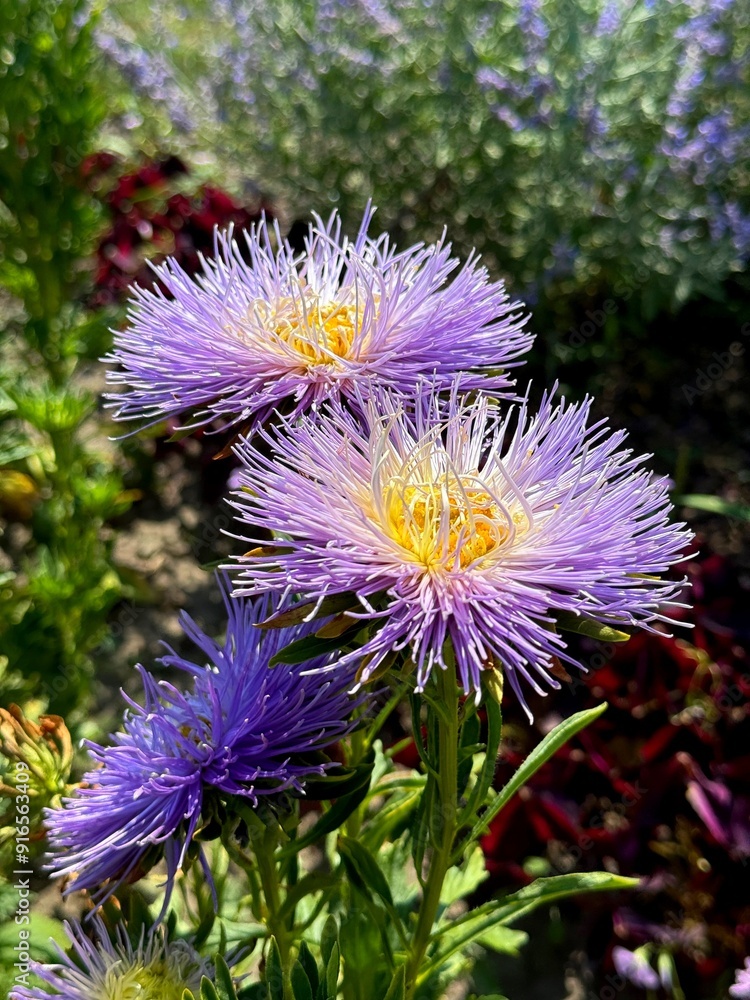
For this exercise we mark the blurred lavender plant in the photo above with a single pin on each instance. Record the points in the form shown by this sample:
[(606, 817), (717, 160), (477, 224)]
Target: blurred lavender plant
[(578, 148)]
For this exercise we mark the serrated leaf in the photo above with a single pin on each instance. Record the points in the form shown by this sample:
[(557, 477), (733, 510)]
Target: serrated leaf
[(568, 621), (549, 746), (461, 881), (301, 987)]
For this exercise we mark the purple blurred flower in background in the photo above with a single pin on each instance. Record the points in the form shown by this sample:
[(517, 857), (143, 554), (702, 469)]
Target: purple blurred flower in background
[(240, 731), (102, 970), (634, 966), (477, 528), (740, 990), (243, 338)]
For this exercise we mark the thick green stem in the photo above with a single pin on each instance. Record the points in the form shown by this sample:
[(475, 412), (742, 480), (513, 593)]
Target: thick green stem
[(440, 862)]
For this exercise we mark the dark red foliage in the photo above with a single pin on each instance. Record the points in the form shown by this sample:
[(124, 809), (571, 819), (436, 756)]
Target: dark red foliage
[(658, 787), (155, 213)]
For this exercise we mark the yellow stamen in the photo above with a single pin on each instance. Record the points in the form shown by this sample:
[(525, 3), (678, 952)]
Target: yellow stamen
[(155, 981), (450, 524), (319, 331)]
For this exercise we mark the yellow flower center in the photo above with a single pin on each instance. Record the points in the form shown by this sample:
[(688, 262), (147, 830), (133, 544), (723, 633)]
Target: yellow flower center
[(319, 331), (452, 524), (158, 980)]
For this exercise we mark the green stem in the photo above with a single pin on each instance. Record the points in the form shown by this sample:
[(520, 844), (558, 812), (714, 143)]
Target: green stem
[(269, 881), (440, 862)]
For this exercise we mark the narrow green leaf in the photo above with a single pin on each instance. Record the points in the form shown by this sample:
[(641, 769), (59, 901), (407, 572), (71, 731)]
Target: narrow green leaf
[(208, 990), (187, 995), (470, 732), (363, 869), (397, 989), (306, 611), (274, 973), (457, 935), (487, 772), (223, 980), (308, 648), (328, 939), (331, 820), (715, 505), (314, 882), (310, 966), (568, 621), (301, 987), (332, 971), (549, 746)]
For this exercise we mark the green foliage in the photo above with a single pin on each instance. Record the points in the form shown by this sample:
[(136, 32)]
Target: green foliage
[(62, 585)]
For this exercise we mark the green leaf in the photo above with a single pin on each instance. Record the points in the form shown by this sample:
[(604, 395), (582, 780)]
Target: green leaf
[(274, 974), (310, 647), (331, 820), (487, 772), (314, 882), (208, 990), (340, 782), (301, 987), (328, 938), (310, 966), (310, 610), (470, 732), (397, 989), (332, 970), (187, 995), (223, 980), (363, 869), (461, 881), (549, 746), (505, 940), (568, 621), (715, 505), (457, 935)]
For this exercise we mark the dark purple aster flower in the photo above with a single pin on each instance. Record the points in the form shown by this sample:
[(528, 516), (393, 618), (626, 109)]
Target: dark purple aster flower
[(100, 969), (242, 337), (243, 730), (478, 528)]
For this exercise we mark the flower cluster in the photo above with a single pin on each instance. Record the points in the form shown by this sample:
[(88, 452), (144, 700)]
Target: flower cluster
[(243, 730)]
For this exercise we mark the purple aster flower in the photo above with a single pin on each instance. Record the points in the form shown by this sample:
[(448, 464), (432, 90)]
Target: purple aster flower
[(100, 969), (462, 525), (244, 336), (243, 730), (740, 989), (634, 966)]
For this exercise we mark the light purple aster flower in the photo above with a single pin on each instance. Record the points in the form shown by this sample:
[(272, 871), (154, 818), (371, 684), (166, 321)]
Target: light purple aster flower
[(461, 525), (100, 969), (243, 336), (634, 966), (243, 730), (740, 989)]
